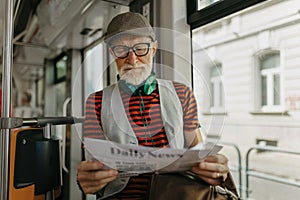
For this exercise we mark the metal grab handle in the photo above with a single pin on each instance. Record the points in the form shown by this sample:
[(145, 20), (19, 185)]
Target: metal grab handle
[(51, 120), (63, 145), (15, 122), (265, 176), (239, 168), (6, 97)]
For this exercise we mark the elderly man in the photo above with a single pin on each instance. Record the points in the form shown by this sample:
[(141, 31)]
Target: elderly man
[(151, 112)]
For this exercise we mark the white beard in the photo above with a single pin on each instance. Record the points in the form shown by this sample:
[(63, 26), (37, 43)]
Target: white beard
[(136, 76)]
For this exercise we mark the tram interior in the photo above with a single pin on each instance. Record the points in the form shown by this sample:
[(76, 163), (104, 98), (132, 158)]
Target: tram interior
[(39, 35), (44, 31)]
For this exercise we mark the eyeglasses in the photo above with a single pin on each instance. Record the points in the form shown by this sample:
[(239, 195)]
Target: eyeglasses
[(122, 51)]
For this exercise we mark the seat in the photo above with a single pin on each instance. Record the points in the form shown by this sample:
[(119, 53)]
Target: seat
[(34, 164)]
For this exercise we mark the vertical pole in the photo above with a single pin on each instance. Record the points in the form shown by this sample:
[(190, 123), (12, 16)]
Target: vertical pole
[(6, 96), (47, 134)]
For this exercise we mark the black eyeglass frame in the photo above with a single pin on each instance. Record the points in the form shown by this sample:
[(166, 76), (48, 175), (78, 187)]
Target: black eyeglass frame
[(132, 49)]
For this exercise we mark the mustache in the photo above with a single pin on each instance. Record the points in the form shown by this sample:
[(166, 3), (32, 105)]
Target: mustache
[(135, 77), (127, 67)]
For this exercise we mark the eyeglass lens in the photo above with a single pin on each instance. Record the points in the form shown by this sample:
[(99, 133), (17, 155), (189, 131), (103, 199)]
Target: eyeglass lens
[(122, 51)]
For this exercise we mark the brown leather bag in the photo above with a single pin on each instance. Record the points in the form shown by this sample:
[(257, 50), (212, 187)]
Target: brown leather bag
[(188, 186)]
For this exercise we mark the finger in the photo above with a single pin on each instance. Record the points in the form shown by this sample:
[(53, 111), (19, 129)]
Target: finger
[(213, 167), (96, 175), (211, 177), (215, 171), (222, 176), (98, 182), (204, 173), (90, 186), (218, 158), (92, 189), (89, 166)]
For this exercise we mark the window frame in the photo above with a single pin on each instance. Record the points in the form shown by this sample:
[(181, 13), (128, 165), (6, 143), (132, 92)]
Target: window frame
[(217, 89), (270, 73), (217, 10)]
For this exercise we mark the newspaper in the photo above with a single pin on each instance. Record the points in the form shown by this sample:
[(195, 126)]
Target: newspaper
[(131, 160)]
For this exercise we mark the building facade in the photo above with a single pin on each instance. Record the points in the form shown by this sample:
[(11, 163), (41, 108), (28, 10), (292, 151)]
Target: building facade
[(246, 79)]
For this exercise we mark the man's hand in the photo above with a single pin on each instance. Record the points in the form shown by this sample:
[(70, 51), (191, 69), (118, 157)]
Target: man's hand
[(213, 169), (92, 177)]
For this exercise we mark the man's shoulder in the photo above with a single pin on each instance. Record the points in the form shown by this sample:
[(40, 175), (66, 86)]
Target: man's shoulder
[(98, 94), (177, 85), (95, 96), (171, 81)]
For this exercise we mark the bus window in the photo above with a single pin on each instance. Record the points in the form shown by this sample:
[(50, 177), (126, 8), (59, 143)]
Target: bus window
[(60, 68), (94, 69), (60, 72), (256, 53)]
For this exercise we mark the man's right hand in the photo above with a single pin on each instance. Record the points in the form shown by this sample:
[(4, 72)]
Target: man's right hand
[(92, 177)]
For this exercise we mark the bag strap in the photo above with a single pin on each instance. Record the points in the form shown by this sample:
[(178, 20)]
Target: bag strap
[(225, 192), (229, 184), (227, 188)]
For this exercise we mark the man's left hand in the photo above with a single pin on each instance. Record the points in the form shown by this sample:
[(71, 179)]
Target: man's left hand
[(213, 169)]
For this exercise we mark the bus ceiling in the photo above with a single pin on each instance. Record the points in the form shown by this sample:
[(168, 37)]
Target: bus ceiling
[(45, 28), (53, 24)]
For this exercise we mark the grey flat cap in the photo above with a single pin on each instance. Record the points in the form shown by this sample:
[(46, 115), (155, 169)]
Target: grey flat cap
[(129, 23)]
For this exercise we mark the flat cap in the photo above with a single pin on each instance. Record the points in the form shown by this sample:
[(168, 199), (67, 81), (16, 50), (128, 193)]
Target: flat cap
[(130, 23)]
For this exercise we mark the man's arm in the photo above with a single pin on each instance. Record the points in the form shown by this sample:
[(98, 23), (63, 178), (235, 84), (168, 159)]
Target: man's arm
[(192, 138)]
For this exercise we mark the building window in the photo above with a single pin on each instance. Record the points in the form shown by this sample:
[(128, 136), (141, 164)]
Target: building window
[(60, 68), (270, 79), (60, 74), (217, 90)]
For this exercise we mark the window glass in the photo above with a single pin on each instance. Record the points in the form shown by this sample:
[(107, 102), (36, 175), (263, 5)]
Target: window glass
[(213, 96), (94, 69), (221, 95), (270, 61), (263, 90), (216, 71), (259, 51), (217, 100), (60, 73), (277, 89), (270, 83), (60, 92), (61, 68), (205, 3)]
